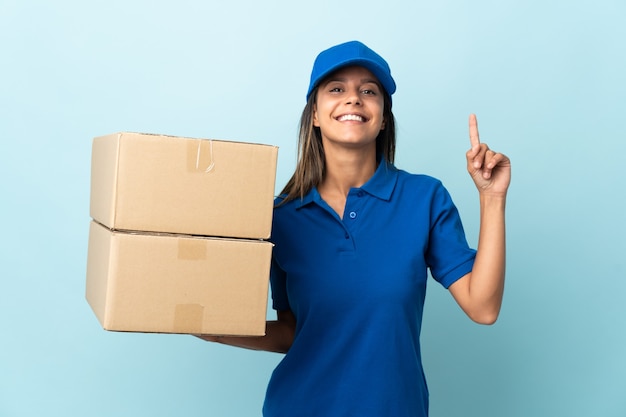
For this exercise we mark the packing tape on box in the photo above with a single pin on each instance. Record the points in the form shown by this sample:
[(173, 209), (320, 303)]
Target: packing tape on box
[(192, 249), (200, 155), (188, 318)]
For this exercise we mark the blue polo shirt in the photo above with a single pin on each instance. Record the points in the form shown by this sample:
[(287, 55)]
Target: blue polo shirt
[(356, 287)]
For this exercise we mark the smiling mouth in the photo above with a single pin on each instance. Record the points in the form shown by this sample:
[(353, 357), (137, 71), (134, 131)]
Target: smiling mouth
[(351, 117)]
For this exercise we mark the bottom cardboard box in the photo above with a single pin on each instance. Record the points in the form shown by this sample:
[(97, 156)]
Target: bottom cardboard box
[(158, 283)]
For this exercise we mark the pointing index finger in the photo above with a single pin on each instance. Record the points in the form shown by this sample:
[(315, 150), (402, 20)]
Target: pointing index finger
[(473, 132)]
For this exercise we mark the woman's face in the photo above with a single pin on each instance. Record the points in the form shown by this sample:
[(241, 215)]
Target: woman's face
[(349, 109)]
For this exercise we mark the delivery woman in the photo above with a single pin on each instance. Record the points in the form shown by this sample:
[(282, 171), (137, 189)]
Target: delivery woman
[(354, 238)]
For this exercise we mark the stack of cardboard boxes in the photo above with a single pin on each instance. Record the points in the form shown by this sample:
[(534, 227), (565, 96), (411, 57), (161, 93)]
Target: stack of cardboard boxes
[(178, 237)]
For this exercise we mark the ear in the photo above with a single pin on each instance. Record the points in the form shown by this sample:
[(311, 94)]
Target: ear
[(316, 122), (382, 126)]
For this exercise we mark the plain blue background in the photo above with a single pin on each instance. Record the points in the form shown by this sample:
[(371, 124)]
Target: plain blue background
[(546, 79)]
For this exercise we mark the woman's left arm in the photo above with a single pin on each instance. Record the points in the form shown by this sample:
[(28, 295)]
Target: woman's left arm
[(479, 293)]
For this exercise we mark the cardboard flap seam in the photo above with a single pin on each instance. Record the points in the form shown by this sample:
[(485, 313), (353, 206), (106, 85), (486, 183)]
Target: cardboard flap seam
[(180, 235)]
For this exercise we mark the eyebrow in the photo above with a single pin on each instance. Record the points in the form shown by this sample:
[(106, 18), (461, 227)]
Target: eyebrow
[(363, 81)]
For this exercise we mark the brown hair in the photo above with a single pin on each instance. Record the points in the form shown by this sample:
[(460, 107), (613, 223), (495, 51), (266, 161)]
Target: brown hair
[(311, 166)]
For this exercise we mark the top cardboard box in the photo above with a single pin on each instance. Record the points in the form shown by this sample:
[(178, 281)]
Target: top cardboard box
[(157, 183)]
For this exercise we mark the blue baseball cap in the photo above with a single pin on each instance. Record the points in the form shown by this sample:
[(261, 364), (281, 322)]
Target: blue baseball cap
[(351, 53)]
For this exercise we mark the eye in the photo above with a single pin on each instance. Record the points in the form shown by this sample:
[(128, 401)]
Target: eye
[(335, 90), (370, 89)]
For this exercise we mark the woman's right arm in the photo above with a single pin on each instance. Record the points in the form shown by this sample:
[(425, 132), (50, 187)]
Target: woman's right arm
[(278, 336)]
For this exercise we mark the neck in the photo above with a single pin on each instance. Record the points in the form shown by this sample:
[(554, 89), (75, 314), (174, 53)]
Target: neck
[(347, 170)]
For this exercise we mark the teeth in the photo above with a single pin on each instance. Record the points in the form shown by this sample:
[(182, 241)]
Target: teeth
[(354, 117)]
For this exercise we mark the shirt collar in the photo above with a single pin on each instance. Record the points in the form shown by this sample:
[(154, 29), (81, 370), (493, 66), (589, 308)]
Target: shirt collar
[(383, 182), (381, 185)]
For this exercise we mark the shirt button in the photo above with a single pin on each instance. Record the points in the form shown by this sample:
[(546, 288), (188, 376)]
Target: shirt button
[(360, 193), (353, 215), (347, 236)]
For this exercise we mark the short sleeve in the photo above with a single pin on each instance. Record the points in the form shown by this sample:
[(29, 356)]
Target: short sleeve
[(278, 283), (449, 257)]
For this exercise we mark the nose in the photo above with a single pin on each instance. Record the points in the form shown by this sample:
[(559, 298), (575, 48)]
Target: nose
[(353, 97)]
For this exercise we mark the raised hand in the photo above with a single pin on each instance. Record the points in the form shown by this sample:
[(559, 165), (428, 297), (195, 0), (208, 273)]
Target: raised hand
[(491, 171)]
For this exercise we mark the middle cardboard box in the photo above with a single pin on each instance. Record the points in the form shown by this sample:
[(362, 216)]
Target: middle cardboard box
[(159, 183)]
